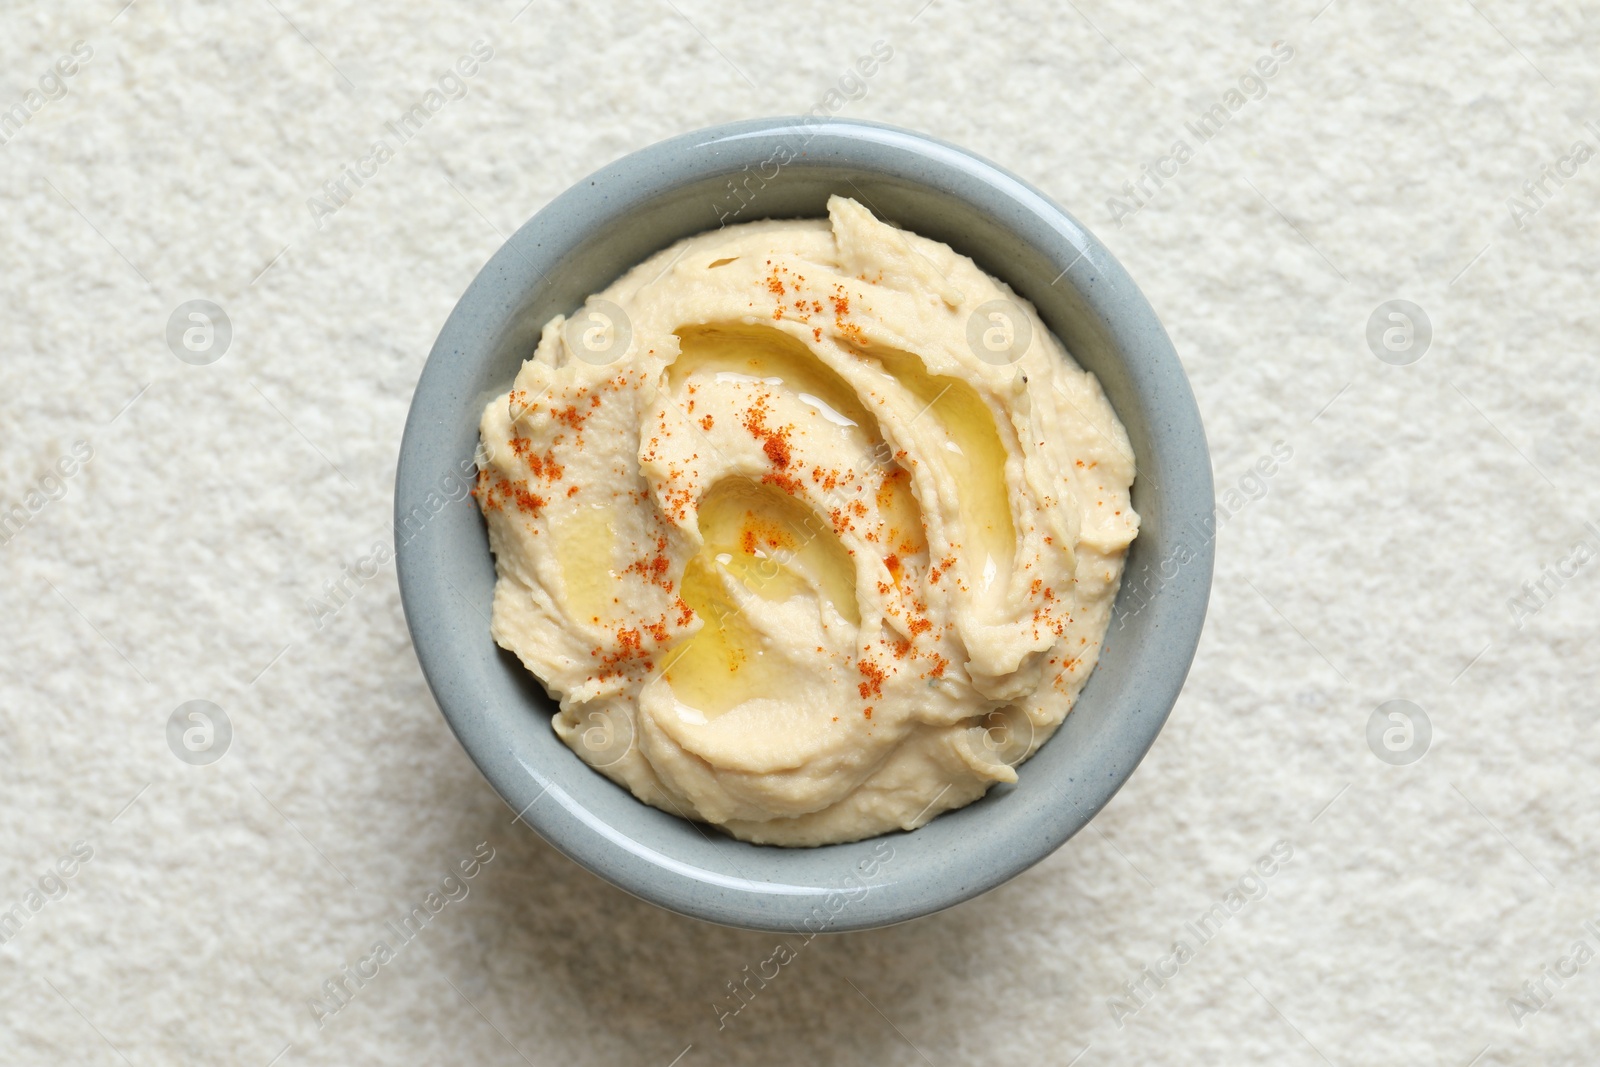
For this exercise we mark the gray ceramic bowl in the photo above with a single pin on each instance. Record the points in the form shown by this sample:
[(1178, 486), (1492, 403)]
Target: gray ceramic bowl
[(615, 218)]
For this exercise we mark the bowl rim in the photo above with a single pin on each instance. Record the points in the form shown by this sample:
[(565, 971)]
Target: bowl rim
[(1176, 608)]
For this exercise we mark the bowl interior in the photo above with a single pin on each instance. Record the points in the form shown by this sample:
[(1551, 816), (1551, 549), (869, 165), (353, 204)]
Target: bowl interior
[(787, 169)]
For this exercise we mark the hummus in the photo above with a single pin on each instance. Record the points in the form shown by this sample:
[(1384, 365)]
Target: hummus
[(811, 527)]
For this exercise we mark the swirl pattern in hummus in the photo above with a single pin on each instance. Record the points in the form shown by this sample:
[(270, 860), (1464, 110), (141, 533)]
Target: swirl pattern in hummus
[(793, 558)]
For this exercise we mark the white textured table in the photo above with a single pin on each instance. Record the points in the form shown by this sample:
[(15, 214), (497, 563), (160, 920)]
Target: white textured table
[(1380, 561)]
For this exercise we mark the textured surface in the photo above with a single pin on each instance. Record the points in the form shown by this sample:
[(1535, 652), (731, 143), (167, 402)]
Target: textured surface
[(1375, 564)]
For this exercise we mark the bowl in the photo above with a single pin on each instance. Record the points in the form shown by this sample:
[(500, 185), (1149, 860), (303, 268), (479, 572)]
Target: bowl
[(787, 168)]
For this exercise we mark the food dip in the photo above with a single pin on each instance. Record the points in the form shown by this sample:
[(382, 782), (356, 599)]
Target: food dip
[(811, 527)]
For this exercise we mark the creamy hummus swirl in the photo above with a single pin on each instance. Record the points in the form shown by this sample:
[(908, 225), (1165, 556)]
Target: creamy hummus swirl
[(811, 527)]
